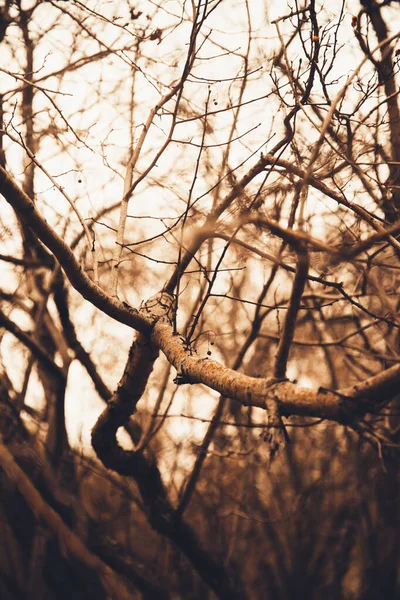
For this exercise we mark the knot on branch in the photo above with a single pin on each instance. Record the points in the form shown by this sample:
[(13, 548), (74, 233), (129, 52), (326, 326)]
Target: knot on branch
[(161, 305)]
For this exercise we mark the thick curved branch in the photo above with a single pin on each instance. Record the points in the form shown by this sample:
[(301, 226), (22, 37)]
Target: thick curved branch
[(342, 405), (28, 213), (121, 406)]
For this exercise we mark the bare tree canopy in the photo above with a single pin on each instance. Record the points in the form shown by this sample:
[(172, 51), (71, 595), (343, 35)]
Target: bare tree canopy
[(200, 244)]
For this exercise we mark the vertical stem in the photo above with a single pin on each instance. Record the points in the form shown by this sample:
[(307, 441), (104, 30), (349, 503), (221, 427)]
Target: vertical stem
[(286, 339)]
